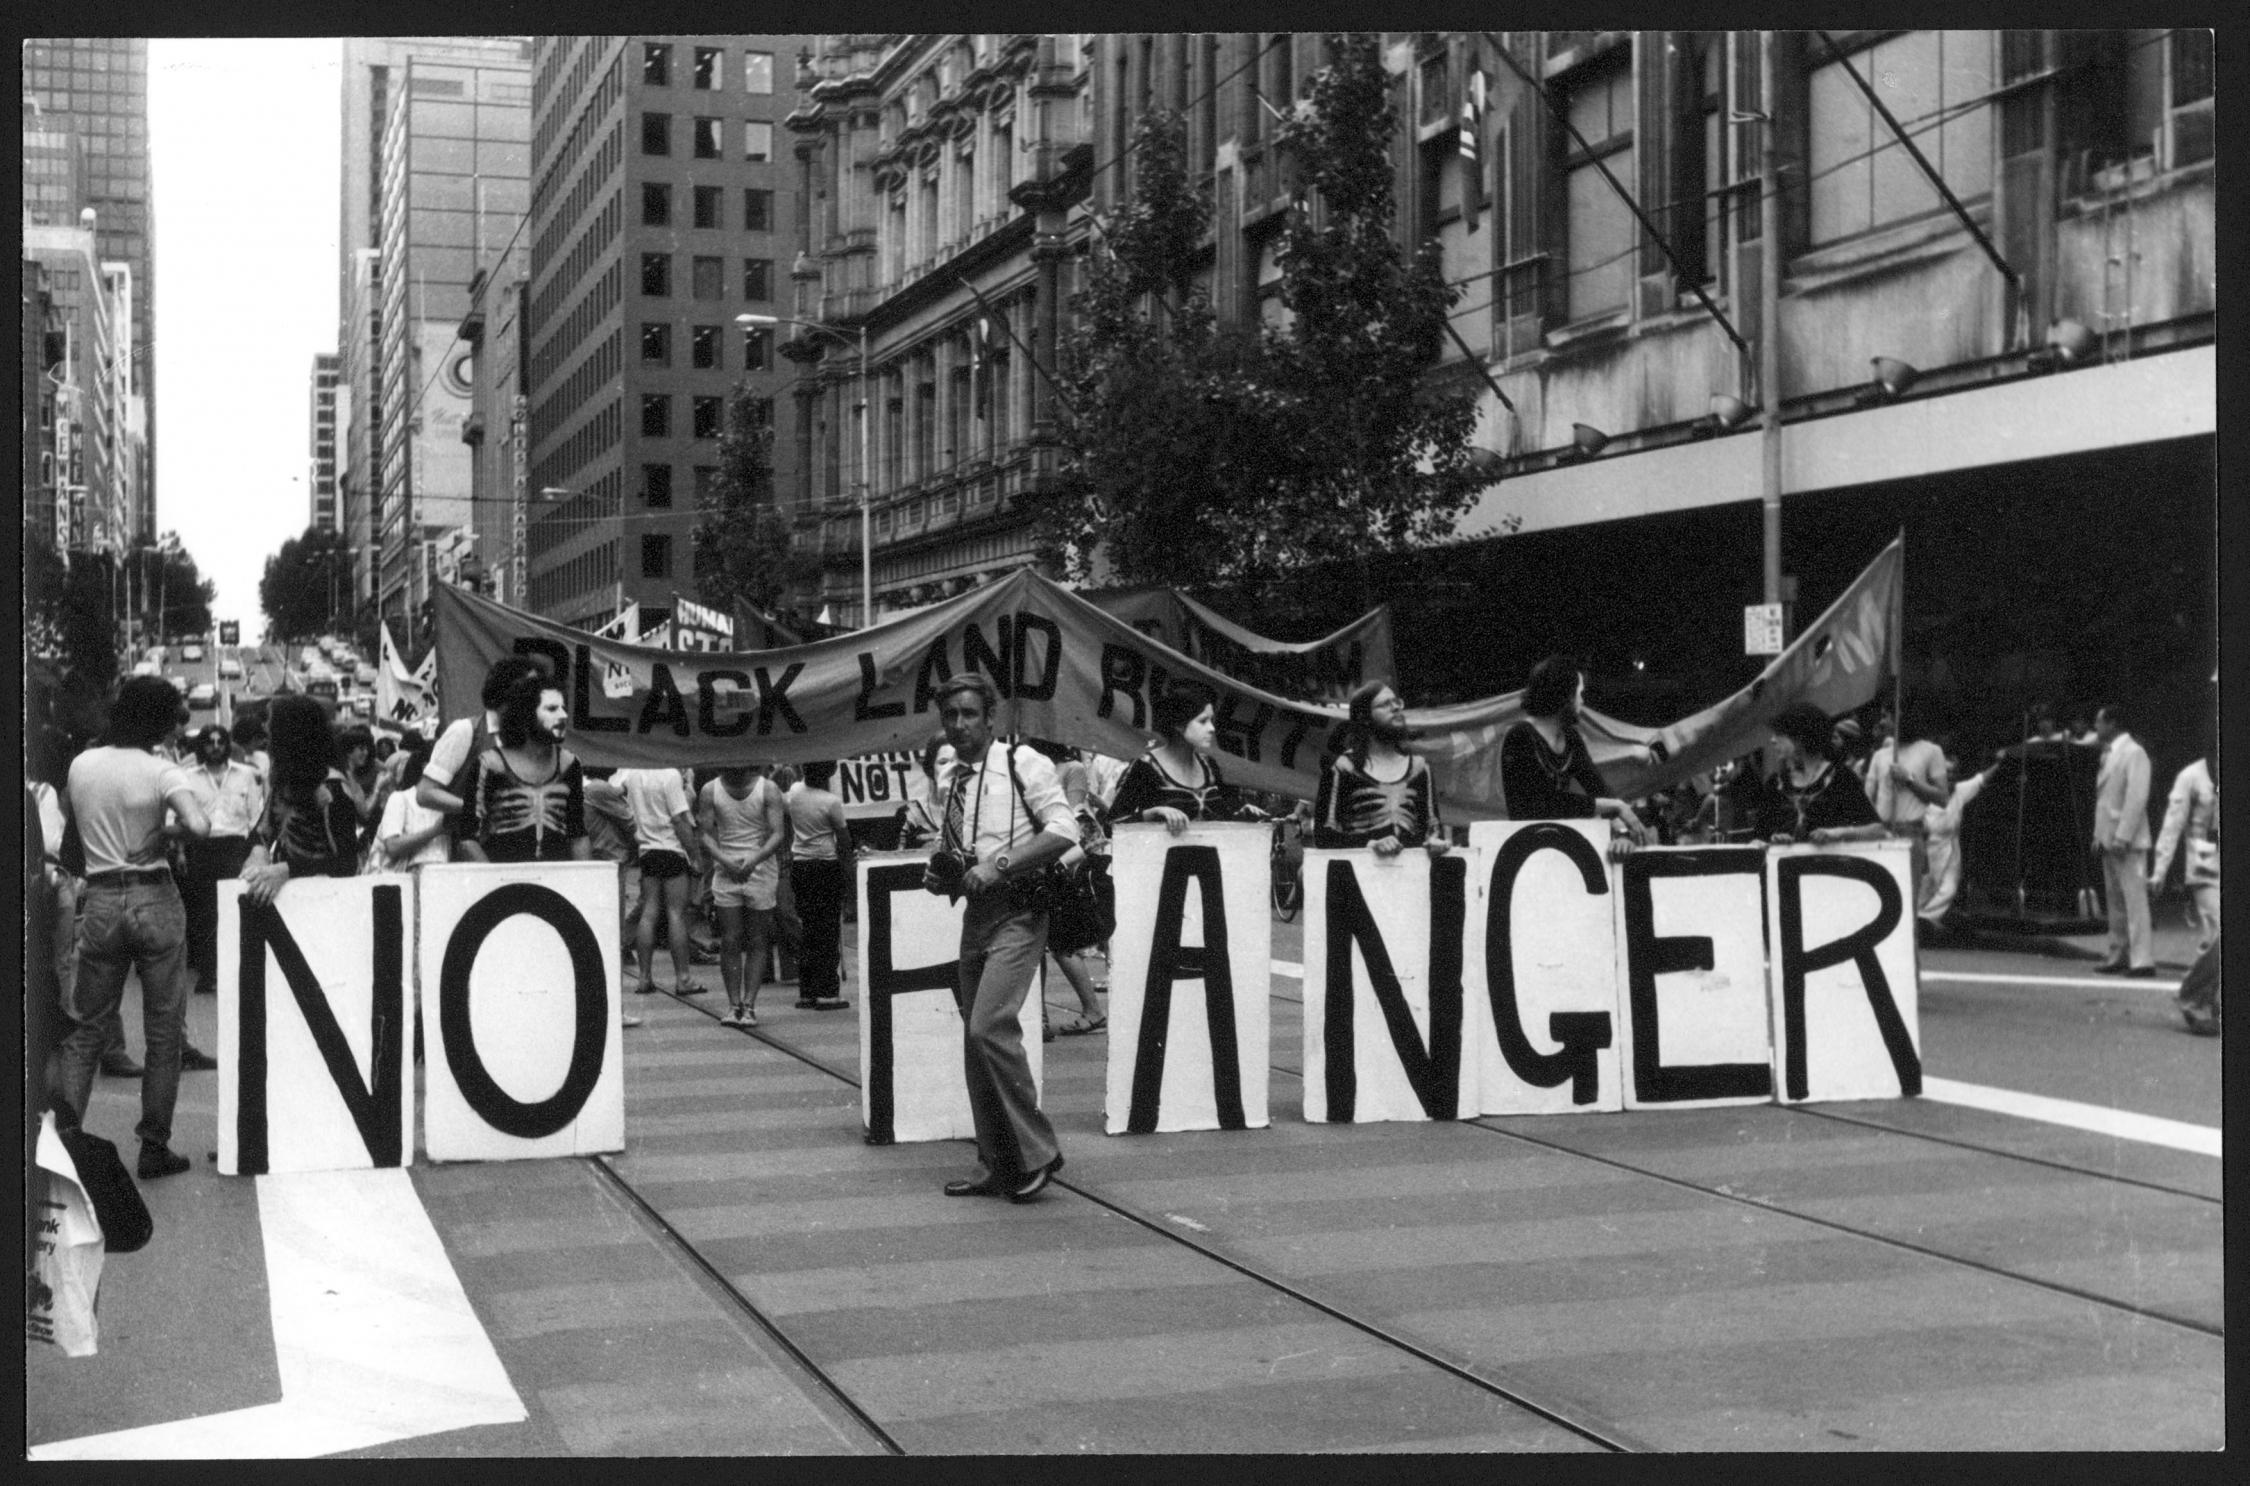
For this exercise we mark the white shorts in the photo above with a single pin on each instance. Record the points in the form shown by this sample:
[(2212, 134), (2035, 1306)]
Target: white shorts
[(758, 892)]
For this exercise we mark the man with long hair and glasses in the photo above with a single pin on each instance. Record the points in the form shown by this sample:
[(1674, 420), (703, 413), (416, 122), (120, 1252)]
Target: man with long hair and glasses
[(1374, 793)]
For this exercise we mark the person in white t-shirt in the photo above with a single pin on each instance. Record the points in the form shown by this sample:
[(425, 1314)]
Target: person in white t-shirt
[(1942, 828), (664, 830), (412, 834)]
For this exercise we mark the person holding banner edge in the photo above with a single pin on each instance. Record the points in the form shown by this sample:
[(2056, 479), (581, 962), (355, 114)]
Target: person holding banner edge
[(1545, 771), (1003, 822)]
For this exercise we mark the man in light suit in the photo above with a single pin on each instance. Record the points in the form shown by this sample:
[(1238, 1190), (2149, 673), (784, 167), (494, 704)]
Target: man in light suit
[(2121, 841)]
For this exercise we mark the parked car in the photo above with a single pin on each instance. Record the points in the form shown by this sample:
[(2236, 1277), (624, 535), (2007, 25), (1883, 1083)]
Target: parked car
[(230, 669), (203, 697), (191, 651)]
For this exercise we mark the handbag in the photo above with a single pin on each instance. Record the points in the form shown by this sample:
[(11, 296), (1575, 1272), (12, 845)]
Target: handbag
[(125, 1220)]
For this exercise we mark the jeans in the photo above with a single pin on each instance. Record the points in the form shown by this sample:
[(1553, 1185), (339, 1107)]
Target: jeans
[(123, 926), (818, 887)]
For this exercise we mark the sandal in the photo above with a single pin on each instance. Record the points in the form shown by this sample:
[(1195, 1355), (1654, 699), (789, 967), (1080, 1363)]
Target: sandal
[(1079, 1026), (689, 988)]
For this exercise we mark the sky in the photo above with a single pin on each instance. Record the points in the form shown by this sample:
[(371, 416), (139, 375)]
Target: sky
[(245, 143)]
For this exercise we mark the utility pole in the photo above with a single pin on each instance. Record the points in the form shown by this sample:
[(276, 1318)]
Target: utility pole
[(1769, 328)]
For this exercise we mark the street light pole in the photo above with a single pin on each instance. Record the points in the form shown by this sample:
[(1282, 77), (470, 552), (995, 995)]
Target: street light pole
[(866, 470)]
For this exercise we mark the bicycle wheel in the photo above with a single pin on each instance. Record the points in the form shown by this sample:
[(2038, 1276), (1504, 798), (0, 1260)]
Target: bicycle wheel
[(1288, 893)]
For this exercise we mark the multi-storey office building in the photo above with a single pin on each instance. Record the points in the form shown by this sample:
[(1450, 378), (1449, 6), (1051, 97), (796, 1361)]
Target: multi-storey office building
[(933, 163), (320, 473), (1985, 367), (40, 399), (472, 187), (659, 208), (89, 365), (496, 428), (97, 89), (456, 161)]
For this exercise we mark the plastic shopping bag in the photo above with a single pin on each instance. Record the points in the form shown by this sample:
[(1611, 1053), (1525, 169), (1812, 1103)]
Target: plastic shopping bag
[(65, 1275)]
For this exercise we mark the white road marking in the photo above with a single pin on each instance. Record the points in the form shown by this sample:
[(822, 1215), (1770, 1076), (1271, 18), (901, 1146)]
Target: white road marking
[(2093, 982), (373, 1337), (2203, 1140), (1285, 967)]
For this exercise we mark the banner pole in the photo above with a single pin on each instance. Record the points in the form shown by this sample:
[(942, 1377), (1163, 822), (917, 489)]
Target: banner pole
[(1898, 654)]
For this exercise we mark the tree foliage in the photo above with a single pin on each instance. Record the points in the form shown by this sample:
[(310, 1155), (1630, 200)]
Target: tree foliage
[(743, 556), (170, 595), (1200, 452), (306, 590)]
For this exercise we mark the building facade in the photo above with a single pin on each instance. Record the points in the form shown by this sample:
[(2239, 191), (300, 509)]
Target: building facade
[(96, 90), (320, 469), (91, 409), (495, 429), (659, 209), (429, 176), (941, 172)]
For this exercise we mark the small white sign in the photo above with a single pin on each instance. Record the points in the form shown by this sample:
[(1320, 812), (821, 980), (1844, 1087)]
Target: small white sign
[(1761, 629)]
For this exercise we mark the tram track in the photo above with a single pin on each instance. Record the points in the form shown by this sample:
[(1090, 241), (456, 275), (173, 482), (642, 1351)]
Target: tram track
[(1568, 1416)]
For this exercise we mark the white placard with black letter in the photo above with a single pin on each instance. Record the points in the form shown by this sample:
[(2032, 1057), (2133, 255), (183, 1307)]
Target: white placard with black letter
[(315, 1019), (912, 1086), (519, 982), (1845, 999), (1191, 973), (1541, 967), (1385, 1007), (1692, 976)]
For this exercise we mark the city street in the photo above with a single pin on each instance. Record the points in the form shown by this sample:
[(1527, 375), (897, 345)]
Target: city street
[(748, 1277)]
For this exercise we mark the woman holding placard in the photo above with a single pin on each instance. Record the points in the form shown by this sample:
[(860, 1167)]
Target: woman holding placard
[(1811, 797), (1176, 781)]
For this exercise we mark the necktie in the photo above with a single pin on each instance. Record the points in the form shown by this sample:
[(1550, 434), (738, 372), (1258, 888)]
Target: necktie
[(956, 813)]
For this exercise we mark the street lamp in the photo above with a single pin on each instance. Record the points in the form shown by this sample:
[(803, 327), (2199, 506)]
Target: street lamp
[(866, 421)]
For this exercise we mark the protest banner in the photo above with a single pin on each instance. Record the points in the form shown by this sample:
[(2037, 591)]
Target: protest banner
[(1542, 967), (315, 1017), (517, 969), (912, 1086), (1385, 1002), (1191, 967), (1691, 943), (1845, 995), (873, 787), (1327, 669)]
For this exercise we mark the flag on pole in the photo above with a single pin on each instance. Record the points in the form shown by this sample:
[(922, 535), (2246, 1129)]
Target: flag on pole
[(400, 696), (625, 626), (1473, 101)]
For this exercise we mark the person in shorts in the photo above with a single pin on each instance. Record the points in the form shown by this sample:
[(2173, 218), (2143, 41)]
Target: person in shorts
[(664, 832), (744, 829)]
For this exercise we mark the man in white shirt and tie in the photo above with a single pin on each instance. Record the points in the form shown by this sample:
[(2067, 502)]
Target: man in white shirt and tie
[(1004, 818), (2121, 841)]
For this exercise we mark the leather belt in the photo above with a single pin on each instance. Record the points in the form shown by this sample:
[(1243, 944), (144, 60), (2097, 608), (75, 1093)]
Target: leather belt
[(126, 876)]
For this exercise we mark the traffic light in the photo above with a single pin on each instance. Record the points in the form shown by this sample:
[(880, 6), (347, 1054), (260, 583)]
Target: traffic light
[(230, 632)]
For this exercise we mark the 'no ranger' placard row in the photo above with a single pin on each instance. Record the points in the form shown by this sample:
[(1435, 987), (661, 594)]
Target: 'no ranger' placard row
[(1526, 974)]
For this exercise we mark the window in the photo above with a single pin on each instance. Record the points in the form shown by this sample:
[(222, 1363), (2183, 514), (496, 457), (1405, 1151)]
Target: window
[(1598, 228), (757, 72), (757, 140), (706, 139), (656, 204), (656, 485), (656, 65), (656, 415), (757, 278), (1860, 177), (656, 556), (706, 206), (2188, 101), (656, 275), (757, 210), (656, 345), (707, 67), (709, 412), (656, 134), (703, 347), (757, 348), (705, 279)]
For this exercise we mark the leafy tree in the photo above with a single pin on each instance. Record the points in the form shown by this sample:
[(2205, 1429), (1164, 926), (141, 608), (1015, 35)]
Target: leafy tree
[(306, 590), (1206, 453), (743, 556), (170, 595)]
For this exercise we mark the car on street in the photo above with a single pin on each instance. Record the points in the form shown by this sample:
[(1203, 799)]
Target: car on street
[(203, 697), (191, 651), (230, 669)]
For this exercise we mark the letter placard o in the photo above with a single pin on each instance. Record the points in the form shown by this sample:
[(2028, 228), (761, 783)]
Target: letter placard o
[(523, 998)]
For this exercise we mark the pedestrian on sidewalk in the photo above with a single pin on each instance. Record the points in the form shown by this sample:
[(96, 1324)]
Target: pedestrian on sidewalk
[(1905, 782), (820, 858), (2121, 842), (1546, 772), (2191, 815), (1004, 821), (232, 797), (664, 833), (131, 916), (744, 831)]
